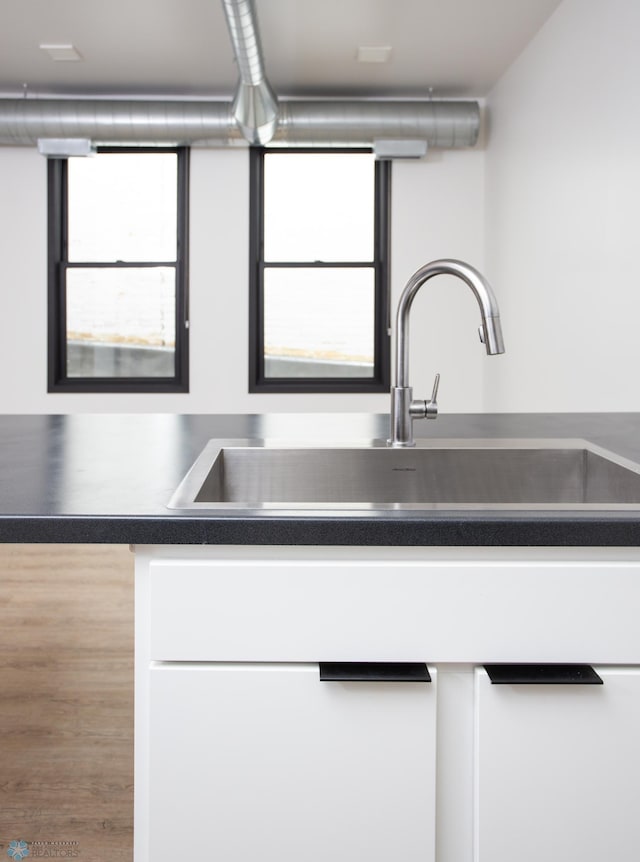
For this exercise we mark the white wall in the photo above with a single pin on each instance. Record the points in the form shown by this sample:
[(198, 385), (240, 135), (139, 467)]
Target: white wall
[(562, 193), (23, 287), (437, 211)]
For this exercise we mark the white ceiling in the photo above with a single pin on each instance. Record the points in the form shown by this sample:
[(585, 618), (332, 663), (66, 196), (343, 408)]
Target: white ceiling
[(459, 48)]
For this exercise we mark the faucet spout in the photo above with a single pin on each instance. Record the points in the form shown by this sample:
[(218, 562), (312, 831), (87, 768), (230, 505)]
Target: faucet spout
[(403, 408)]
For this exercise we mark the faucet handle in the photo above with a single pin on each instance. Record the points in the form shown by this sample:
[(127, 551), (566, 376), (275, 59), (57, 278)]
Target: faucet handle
[(436, 386), (421, 409), (431, 406)]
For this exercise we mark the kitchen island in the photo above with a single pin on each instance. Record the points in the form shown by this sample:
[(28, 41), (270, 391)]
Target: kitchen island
[(333, 685)]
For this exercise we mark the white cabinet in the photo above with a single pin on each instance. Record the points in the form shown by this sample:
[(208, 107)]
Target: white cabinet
[(558, 770), (261, 761), (243, 753)]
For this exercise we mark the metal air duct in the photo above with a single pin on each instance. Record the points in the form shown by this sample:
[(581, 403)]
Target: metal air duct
[(23, 121), (442, 125), (254, 115), (255, 107)]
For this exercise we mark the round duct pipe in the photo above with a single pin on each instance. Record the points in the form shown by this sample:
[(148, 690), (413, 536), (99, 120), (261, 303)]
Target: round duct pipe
[(443, 125), (23, 121), (255, 106), (352, 123)]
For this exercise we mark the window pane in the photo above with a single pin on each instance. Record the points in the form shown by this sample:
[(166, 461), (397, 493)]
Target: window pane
[(318, 322), (318, 206), (123, 206), (121, 322)]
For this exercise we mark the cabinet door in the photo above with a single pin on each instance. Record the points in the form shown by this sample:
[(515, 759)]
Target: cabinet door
[(558, 770), (267, 762)]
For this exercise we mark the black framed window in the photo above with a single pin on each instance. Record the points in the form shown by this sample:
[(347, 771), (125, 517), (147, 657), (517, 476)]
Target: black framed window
[(118, 269), (319, 271)]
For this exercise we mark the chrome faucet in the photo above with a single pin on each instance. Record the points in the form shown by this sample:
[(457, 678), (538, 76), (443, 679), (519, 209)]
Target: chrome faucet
[(404, 409)]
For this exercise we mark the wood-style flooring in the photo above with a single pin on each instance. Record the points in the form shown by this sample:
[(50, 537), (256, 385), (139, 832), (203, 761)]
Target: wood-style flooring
[(66, 701)]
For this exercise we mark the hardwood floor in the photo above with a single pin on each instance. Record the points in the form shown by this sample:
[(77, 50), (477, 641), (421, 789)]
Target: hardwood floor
[(66, 701)]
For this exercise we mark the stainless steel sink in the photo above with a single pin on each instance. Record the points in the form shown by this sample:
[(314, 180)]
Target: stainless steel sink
[(488, 474)]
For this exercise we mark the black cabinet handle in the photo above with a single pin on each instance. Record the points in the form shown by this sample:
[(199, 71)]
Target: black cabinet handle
[(368, 671), (542, 674)]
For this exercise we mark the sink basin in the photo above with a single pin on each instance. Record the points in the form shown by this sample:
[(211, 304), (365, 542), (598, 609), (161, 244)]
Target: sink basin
[(517, 474)]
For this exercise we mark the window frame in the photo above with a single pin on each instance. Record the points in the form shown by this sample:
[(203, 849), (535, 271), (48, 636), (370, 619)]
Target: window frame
[(380, 381), (58, 263)]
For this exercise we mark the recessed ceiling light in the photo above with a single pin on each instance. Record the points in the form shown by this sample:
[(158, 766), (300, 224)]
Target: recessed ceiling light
[(62, 53), (374, 54)]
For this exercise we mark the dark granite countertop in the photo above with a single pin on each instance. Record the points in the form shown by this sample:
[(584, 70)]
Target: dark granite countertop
[(105, 478)]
